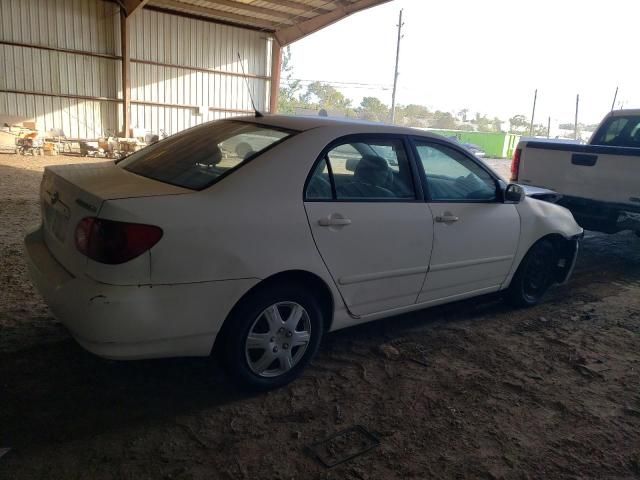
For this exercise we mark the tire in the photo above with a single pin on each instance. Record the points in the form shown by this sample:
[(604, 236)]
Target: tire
[(534, 276), (269, 315)]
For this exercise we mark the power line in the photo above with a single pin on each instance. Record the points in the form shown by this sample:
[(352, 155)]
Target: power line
[(335, 82), (350, 87)]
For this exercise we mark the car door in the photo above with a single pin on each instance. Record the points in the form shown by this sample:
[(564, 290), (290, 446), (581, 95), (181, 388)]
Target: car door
[(476, 234), (370, 223)]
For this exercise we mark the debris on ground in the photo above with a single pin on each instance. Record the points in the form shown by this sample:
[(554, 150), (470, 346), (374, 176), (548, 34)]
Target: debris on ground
[(389, 351), (343, 446)]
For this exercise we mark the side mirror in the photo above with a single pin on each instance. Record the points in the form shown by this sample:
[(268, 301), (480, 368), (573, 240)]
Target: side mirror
[(514, 193)]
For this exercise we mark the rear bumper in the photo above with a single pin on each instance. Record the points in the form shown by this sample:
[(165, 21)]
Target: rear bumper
[(602, 216), (133, 322)]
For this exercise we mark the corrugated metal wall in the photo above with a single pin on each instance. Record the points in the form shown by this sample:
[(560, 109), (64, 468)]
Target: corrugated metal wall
[(183, 71), (194, 64), (88, 26)]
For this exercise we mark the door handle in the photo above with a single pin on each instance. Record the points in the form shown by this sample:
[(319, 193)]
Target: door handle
[(584, 160), (447, 219), (334, 222)]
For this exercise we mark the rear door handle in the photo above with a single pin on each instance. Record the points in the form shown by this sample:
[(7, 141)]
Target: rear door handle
[(447, 219), (334, 222)]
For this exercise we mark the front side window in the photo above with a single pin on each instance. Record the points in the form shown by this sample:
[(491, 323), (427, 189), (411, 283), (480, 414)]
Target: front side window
[(363, 170), (196, 157), (452, 176)]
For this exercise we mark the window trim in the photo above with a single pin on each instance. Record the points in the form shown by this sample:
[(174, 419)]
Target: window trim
[(415, 140), (362, 137)]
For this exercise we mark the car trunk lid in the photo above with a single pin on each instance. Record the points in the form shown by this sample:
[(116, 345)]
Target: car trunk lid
[(68, 193)]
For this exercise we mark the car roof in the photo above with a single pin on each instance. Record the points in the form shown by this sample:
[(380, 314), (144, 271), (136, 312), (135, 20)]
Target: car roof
[(625, 112), (303, 123)]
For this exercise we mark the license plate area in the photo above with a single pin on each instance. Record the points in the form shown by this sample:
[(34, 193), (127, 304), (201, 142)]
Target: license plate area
[(56, 220)]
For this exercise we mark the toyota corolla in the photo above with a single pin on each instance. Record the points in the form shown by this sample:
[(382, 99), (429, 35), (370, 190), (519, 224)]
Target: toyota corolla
[(253, 237)]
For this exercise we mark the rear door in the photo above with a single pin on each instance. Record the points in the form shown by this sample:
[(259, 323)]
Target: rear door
[(370, 223), (476, 235)]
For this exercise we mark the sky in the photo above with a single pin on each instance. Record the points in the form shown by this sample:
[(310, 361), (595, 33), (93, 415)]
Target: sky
[(487, 56)]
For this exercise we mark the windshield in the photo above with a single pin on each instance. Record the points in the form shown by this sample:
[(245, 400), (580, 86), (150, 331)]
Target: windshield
[(197, 157)]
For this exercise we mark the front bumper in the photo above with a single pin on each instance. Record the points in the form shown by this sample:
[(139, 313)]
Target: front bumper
[(570, 256), (137, 321)]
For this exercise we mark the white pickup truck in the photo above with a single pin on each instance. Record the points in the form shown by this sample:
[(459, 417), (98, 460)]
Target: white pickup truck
[(599, 182)]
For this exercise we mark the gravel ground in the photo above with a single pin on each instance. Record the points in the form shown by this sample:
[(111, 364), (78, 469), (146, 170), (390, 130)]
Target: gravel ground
[(469, 390)]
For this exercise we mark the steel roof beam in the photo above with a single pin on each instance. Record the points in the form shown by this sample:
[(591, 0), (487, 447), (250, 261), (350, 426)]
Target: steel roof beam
[(132, 6), (343, 9)]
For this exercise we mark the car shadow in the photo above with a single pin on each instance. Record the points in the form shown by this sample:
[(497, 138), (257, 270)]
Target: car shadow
[(55, 392)]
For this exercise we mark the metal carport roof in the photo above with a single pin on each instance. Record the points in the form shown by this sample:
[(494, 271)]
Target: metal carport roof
[(286, 20)]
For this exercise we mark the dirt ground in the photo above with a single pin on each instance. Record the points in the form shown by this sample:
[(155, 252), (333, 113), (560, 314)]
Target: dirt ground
[(478, 390)]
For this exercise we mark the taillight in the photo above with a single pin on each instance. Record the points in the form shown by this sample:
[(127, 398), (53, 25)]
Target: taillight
[(515, 165), (106, 241)]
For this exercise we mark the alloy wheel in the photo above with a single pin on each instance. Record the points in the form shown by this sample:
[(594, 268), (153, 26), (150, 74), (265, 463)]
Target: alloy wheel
[(278, 339)]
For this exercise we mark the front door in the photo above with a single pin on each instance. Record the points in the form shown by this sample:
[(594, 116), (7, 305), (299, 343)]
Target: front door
[(475, 234), (371, 228)]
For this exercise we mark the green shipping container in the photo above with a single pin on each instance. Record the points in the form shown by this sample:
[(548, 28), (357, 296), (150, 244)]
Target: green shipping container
[(495, 145)]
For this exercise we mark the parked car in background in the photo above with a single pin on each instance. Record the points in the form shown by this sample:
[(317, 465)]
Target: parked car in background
[(599, 182), (474, 149), (186, 246)]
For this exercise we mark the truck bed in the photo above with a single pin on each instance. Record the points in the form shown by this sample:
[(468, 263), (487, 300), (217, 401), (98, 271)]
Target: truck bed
[(604, 174)]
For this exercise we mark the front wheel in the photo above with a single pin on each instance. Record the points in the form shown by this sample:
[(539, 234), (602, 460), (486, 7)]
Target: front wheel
[(271, 337), (534, 276)]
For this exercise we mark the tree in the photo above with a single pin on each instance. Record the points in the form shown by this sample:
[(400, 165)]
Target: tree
[(371, 108), (444, 120), (462, 114), (518, 124), (539, 130), (288, 97), (326, 96), (413, 115), (483, 123)]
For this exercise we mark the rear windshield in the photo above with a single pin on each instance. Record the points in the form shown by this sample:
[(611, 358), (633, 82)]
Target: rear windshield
[(197, 157), (619, 132)]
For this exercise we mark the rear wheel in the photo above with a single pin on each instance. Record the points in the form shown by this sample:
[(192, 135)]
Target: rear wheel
[(272, 336), (534, 276)]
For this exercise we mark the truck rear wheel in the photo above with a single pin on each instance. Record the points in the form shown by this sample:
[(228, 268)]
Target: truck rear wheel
[(534, 276)]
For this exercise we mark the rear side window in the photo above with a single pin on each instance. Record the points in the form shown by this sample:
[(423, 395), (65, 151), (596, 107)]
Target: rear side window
[(619, 132), (197, 157), (375, 169)]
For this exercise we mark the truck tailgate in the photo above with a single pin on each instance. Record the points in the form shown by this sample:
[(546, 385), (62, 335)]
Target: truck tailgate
[(607, 174)]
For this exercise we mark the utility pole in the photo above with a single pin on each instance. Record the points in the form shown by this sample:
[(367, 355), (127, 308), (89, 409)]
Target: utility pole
[(533, 113), (395, 75), (615, 96), (549, 127), (575, 125)]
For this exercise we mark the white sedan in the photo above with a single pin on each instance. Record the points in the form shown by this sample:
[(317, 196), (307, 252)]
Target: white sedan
[(252, 237)]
